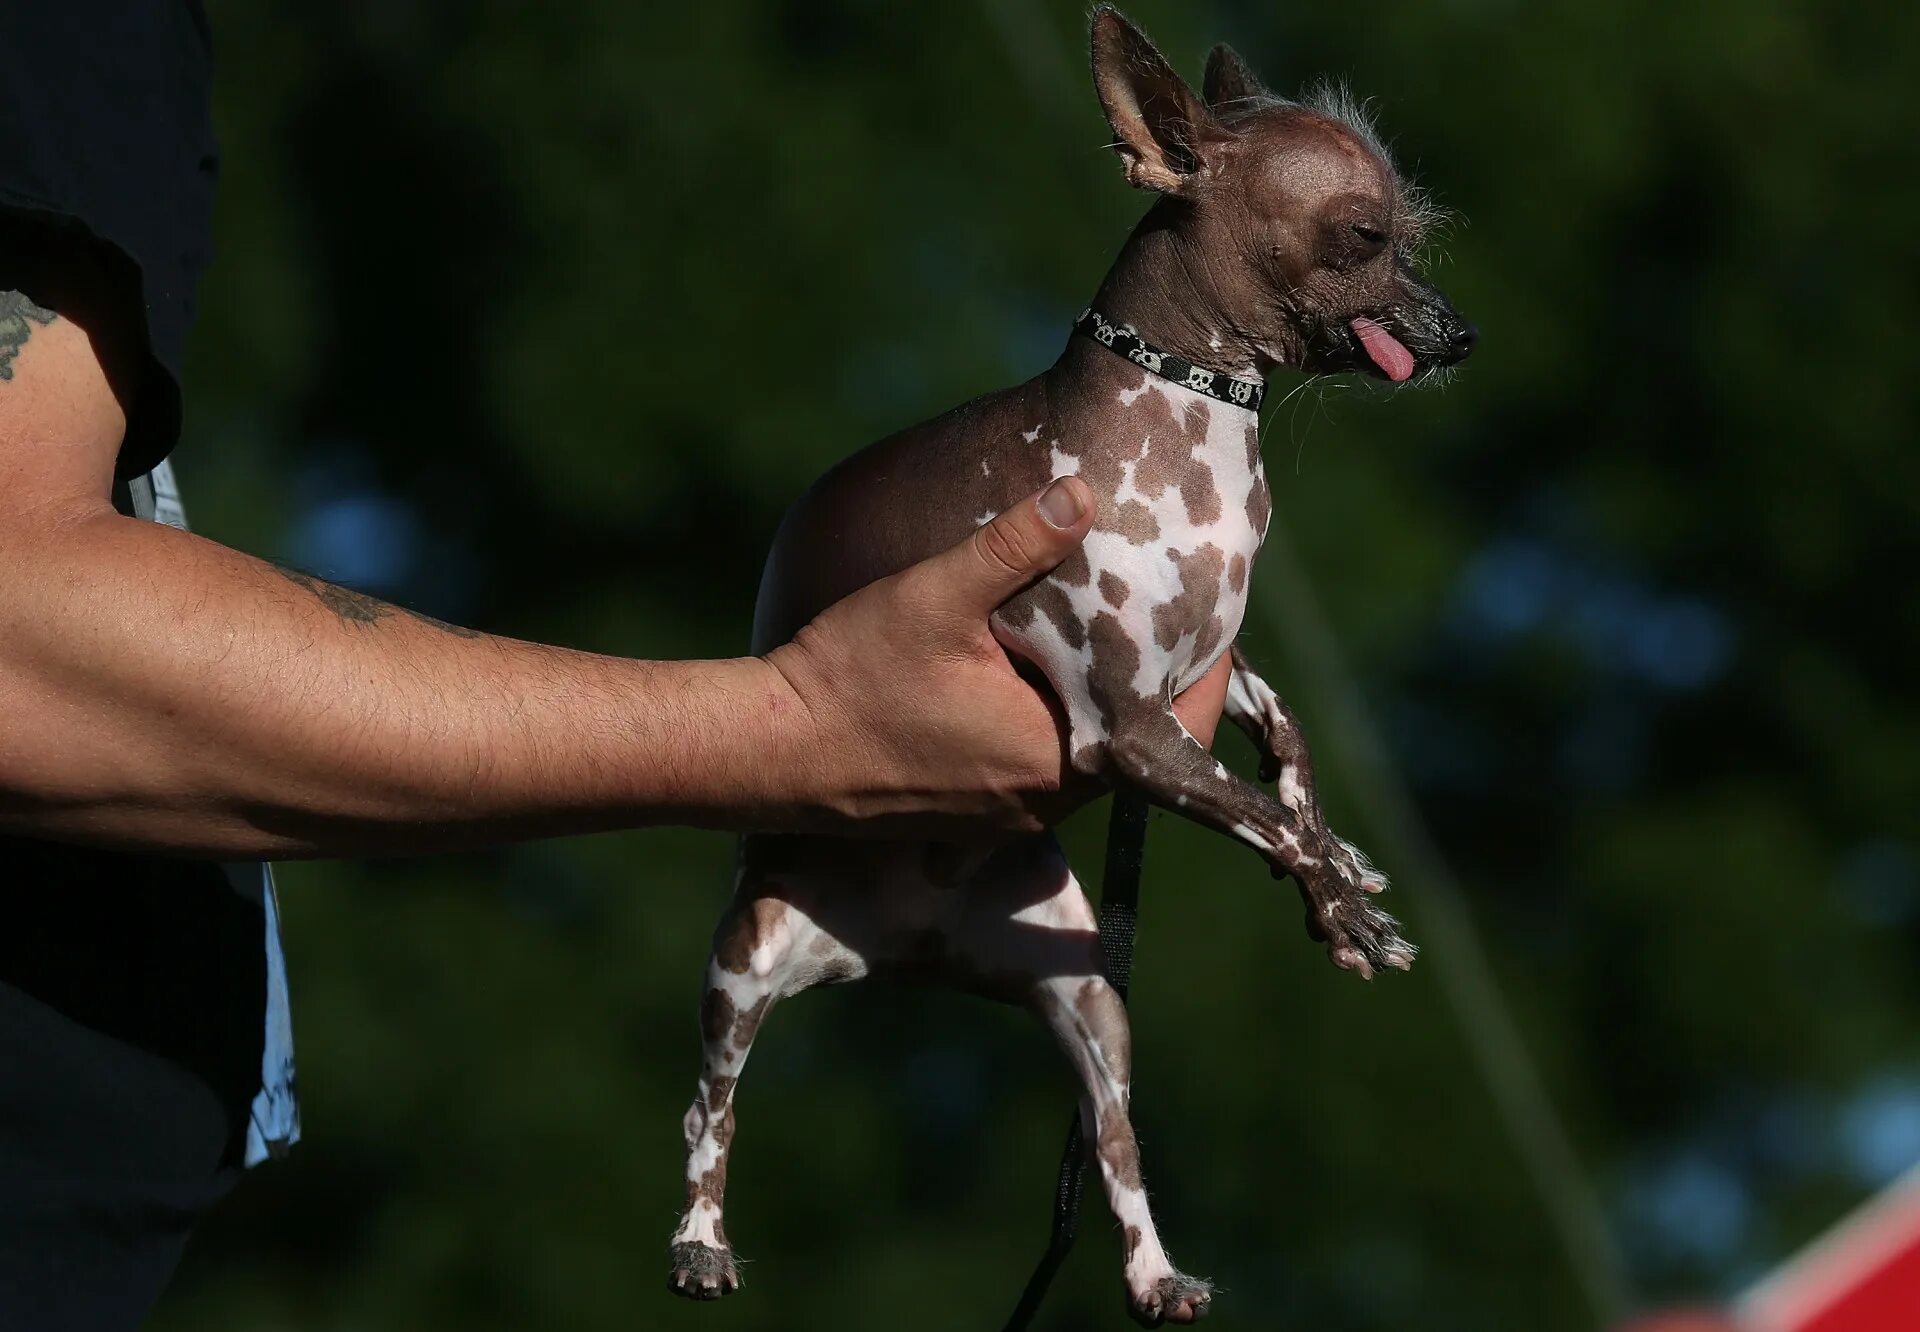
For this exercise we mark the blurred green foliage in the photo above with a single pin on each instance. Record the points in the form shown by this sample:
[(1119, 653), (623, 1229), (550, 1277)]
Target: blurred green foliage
[(1629, 599)]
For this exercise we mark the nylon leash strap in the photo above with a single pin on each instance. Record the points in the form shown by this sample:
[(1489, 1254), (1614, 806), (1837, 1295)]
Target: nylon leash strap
[(1119, 922)]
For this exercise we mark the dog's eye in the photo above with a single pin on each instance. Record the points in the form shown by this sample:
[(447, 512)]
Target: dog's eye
[(1352, 245)]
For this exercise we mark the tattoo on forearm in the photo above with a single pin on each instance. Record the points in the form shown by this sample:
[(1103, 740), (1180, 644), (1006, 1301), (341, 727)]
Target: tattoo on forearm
[(359, 608), (18, 315)]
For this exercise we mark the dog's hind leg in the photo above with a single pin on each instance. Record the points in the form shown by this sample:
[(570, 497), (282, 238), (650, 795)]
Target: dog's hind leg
[(1029, 925), (730, 1010), (1090, 1022), (764, 949)]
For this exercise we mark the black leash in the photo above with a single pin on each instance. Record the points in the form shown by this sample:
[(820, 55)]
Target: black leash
[(1119, 919)]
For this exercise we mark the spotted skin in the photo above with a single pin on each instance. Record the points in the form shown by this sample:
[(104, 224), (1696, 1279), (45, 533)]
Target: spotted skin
[(1117, 668), (1010, 923), (1154, 599), (1176, 462), (1281, 224)]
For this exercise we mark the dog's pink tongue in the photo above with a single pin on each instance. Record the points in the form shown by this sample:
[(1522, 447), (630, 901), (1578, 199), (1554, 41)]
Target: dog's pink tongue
[(1394, 360)]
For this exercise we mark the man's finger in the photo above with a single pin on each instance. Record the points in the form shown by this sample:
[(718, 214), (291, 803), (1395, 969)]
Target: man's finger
[(1016, 549)]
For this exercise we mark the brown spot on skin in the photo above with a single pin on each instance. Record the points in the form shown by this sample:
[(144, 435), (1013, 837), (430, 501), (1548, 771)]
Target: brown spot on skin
[(748, 925), (1114, 588), (1237, 573), (733, 941), (716, 1014), (1171, 457), (1253, 445), (1116, 660), (1200, 495), (1103, 464), (718, 1091), (748, 1022), (1132, 520), (1053, 602), (1199, 594), (1074, 571), (712, 1185), (1118, 1151), (1208, 644), (769, 914), (1259, 506), (1133, 1241), (824, 944)]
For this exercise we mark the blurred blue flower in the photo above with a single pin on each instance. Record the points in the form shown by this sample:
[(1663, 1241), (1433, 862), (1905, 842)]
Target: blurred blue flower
[(1518, 585), (1880, 1129), (1691, 1208), (1681, 644), (366, 541), (1508, 588)]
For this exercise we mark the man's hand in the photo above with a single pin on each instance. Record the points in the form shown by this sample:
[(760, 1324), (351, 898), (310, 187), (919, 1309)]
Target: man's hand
[(918, 717), (160, 692)]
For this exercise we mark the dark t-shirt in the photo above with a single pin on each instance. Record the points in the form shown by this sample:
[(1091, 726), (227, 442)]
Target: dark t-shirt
[(106, 136), (106, 130)]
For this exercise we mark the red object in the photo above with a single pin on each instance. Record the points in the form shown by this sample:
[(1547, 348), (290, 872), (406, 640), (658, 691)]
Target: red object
[(1861, 1276)]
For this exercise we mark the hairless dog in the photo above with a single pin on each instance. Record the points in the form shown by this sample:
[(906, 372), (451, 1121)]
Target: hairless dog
[(1282, 237)]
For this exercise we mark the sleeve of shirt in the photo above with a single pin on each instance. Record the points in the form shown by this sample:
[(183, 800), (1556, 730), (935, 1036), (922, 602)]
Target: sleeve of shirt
[(106, 131)]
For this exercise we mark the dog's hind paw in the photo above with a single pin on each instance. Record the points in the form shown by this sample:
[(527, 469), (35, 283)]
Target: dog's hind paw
[(702, 1272), (1175, 1298)]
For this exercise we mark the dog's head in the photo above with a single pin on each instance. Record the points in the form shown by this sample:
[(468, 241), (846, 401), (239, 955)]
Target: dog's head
[(1289, 214)]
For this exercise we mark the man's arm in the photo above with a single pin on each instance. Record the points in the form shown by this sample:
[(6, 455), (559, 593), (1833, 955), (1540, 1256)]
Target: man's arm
[(161, 691)]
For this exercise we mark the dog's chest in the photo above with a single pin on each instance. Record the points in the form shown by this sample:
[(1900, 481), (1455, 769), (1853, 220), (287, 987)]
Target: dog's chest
[(1159, 588)]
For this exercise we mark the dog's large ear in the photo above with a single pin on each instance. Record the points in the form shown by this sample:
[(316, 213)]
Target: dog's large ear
[(1230, 79), (1165, 131)]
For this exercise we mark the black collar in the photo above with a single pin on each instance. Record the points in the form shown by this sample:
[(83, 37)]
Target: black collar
[(1122, 339)]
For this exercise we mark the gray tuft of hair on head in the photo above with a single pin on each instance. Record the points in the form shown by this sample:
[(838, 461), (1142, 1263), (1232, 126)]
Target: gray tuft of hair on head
[(1334, 100)]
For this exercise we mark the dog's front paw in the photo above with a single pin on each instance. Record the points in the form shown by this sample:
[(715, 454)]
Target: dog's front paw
[(1347, 861), (702, 1272), (1175, 1298), (1352, 864), (1359, 936)]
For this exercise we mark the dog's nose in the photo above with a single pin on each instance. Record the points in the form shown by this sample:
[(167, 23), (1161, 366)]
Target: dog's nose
[(1462, 341)]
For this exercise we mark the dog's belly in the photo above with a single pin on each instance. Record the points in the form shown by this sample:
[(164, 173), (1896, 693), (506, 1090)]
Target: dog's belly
[(1160, 588)]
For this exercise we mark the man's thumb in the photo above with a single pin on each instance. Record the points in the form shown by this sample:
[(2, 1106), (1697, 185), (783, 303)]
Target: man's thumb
[(1018, 548)]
